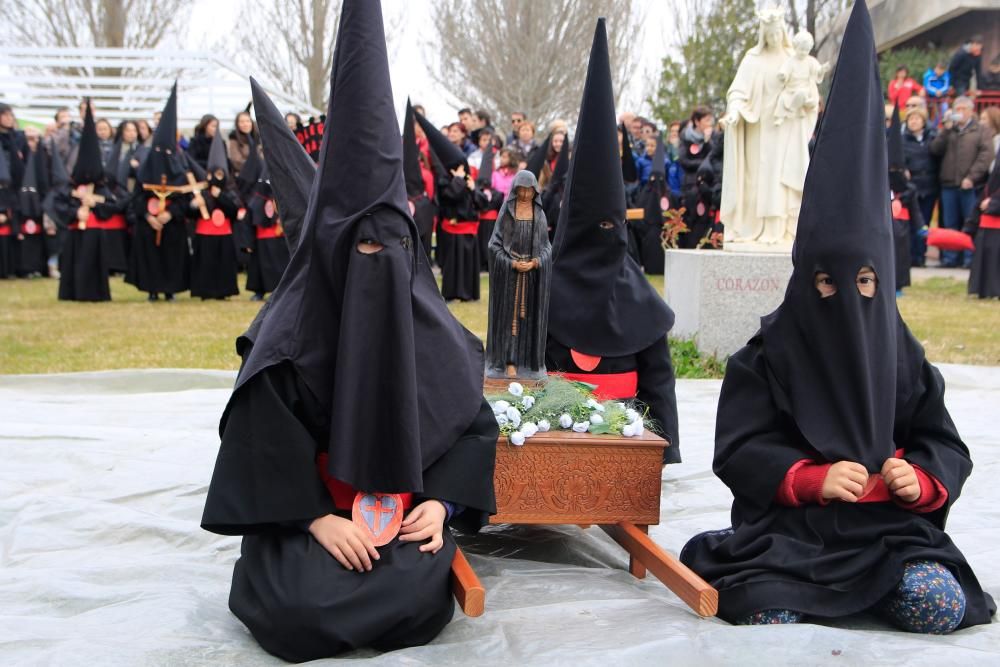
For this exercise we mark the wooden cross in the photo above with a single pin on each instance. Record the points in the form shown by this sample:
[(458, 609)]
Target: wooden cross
[(88, 200), (196, 188)]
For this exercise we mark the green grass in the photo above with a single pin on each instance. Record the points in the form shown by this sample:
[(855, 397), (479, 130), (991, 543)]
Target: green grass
[(39, 334)]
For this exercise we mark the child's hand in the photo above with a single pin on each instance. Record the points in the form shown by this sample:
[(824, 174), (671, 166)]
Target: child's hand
[(902, 480), (345, 541), (425, 522), (845, 481)]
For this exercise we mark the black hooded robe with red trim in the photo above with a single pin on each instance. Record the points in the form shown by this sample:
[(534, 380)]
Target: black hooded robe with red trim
[(337, 393), (213, 261)]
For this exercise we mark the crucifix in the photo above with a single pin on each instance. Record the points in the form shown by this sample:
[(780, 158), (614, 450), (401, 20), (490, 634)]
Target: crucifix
[(163, 191), (88, 200), (196, 188)]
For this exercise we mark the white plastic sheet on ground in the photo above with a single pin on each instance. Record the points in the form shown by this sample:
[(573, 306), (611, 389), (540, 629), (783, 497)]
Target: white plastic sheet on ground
[(102, 562)]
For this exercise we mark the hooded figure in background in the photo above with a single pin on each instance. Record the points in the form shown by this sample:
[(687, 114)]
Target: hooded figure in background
[(32, 258), (83, 263), (459, 204), (905, 202), (360, 397), (654, 198), (213, 263), (520, 273), (832, 433), (984, 277), (160, 261), (421, 206), (269, 256), (8, 221), (607, 325), (553, 195), (116, 234), (494, 200)]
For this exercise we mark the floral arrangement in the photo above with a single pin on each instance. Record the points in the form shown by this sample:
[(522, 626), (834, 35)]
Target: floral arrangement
[(673, 227), (712, 240), (563, 404)]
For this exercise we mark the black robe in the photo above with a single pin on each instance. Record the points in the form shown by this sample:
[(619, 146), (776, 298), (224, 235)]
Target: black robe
[(166, 267), (649, 230), (270, 255), (510, 290), (984, 278), (656, 385), (84, 260), (459, 259), (8, 234), (833, 560), (213, 262), (297, 600)]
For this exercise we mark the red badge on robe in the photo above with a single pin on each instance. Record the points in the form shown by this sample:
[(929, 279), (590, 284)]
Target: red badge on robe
[(380, 515), (585, 362), (30, 227), (218, 218), (153, 206)]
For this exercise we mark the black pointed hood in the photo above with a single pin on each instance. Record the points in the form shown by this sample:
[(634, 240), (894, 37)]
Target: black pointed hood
[(659, 167), (601, 302), (164, 157), (217, 157), (411, 156), (448, 153), (290, 168), (629, 173), (484, 179), (843, 362), (88, 167), (368, 333), (897, 160), (536, 161), (113, 166)]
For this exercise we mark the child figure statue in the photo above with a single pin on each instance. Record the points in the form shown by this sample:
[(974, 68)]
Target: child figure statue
[(520, 260), (800, 76)]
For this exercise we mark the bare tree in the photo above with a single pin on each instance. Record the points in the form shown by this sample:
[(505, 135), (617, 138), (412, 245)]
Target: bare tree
[(134, 24), (526, 55), (291, 43), (809, 14)]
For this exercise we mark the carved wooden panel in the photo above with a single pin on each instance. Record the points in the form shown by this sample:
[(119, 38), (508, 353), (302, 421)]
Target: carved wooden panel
[(566, 478)]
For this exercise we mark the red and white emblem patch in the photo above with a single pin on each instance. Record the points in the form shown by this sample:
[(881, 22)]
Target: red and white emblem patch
[(378, 514)]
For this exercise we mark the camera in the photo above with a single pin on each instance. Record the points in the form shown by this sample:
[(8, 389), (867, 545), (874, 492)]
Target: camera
[(955, 117)]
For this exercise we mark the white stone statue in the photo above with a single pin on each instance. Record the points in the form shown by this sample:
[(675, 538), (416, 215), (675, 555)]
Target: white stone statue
[(772, 106)]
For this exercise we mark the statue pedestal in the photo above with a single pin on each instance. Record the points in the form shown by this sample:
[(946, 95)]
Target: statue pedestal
[(719, 297)]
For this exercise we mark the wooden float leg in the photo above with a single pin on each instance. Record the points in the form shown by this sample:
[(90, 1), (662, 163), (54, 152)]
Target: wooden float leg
[(468, 590), (687, 585), (635, 566)]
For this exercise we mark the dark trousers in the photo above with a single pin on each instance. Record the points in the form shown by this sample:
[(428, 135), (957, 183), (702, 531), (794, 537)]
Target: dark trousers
[(956, 207), (918, 241)]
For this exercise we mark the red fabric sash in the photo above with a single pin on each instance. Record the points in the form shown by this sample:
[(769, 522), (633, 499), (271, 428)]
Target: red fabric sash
[(273, 232), (488, 215), (5, 230), (900, 212), (209, 228), (114, 223), (987, 221), (31, 228), (343, 494), (610, 386), (453, 226)]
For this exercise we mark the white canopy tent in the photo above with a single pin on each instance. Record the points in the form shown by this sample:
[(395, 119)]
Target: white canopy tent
[(128, 83)]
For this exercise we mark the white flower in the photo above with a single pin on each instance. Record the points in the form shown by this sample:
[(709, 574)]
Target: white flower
[(596, 418), (591, 403), (581, 427), (528, 429), (620, 405), (639, 426), (631, 415), (514, 416), (527, 402), (502, 420), (565, 421), (515, 389), (500, 406), (517, 438), (544, 425), (628, 431)]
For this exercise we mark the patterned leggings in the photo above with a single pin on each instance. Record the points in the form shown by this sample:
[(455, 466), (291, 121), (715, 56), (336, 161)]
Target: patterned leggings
[(927, 600)]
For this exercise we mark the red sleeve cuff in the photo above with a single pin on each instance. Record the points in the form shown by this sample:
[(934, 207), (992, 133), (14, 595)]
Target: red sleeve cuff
[(803, 484), (933, 495)]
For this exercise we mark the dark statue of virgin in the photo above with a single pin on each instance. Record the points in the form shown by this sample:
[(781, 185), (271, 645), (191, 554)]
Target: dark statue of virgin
[(520, 260)]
